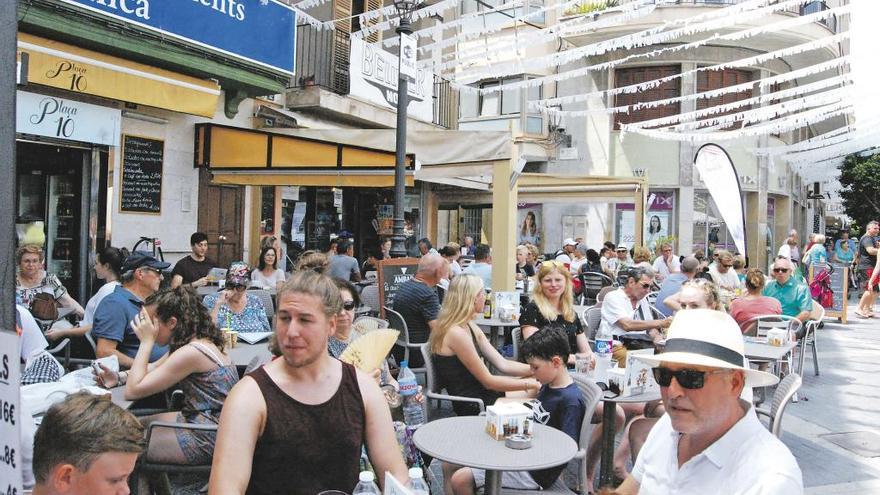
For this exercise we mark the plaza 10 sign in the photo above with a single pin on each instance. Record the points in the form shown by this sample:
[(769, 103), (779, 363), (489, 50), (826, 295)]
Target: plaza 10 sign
[(258, 31)]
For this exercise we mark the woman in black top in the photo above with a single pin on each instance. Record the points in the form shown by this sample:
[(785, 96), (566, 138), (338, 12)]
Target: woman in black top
[(553, 302), (459, 348)]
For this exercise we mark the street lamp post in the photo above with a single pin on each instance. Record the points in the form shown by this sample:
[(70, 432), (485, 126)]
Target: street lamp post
[(405, 8)]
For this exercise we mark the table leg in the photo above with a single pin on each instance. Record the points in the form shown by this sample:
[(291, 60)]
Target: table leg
[(493, 482), (493, 336), (606, 466)]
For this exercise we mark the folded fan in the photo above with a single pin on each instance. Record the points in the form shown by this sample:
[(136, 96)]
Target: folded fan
[(369, 350)]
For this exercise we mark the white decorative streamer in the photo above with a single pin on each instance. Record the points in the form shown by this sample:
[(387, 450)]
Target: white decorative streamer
[(395, 21), (745, 62), (810, 70), (321, 25), (783, 125), (729, 16)]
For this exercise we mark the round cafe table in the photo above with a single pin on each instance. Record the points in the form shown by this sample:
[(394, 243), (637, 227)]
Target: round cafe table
[(495, 326), (463, 440)]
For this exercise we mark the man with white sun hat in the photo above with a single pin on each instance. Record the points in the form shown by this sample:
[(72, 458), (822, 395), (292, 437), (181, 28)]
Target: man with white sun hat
[(709, 440)]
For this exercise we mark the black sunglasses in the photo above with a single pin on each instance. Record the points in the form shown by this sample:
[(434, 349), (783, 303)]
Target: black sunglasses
[(646, 286), (689, 379), (780, 270), (349, 305)]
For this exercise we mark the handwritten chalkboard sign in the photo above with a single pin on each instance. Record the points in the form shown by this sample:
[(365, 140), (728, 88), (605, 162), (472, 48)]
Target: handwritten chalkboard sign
[(141, 190), (392, 274)]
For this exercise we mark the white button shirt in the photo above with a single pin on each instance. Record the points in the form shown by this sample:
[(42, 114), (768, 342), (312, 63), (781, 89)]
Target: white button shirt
[(747, 460)]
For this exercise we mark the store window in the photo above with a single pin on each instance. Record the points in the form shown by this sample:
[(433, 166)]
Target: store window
[(267, 210), (659, 221), (637, 75), (710, 230)]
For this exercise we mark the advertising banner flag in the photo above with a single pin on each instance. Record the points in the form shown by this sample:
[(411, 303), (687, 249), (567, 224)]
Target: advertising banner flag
[(718, 173)]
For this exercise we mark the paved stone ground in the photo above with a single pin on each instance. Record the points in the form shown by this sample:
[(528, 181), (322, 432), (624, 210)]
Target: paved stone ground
[(844, 398)]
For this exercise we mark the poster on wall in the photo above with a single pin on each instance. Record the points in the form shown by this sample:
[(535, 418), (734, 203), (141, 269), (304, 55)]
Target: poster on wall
[(298, 227), (656, 228), (658, 220), (531, 225)]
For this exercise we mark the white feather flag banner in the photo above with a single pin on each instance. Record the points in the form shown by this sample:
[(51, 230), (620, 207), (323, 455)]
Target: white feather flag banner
[(717, 171)]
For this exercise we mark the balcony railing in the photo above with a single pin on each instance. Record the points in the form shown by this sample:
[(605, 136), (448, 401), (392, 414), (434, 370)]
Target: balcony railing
[(323, 59)]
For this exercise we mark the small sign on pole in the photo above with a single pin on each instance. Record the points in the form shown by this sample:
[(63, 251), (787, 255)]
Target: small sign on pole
[(408, 51)]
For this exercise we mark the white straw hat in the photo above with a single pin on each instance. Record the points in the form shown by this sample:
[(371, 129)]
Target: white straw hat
[(705, 337)]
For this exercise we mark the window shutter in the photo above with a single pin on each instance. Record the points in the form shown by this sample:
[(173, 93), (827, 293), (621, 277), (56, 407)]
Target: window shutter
[(638, 75), (375, 36), (341, 47)]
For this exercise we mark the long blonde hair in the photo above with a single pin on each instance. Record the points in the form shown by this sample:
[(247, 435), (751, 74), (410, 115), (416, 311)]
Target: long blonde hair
[(547, 309), (458, 307)]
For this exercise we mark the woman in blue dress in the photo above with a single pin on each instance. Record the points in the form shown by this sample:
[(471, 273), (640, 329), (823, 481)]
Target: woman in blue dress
[(233, 307)]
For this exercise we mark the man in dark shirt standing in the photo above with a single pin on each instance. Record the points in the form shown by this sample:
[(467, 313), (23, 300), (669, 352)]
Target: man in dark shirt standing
[(417, 300), (193, 269), (867, 260)]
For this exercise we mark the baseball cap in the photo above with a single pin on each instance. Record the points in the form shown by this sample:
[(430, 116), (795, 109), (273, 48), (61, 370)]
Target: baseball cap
[(622, 247), (139, 259), (570, 242)]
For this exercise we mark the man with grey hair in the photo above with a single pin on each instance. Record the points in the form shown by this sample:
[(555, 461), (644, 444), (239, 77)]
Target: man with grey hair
[(667, 300), (667, 263), (141, 277), (793, 294), (417, 300)]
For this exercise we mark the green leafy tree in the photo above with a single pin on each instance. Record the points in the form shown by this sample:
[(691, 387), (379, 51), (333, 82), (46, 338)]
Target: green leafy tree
[(860, 178)]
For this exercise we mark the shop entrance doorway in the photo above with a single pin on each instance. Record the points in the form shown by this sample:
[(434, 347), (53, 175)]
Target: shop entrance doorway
[(221, 217)]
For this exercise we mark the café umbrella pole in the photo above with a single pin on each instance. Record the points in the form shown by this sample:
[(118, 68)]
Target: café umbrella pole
[(8, 23), (405, 9)]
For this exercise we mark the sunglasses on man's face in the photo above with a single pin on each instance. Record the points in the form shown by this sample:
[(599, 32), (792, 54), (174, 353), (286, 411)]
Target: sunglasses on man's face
[(780, 270), (645, 286), (689, 379)]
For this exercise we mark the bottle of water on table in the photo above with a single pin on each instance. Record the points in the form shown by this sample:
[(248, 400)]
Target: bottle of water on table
[(413, 414), (366, 485), (417, 483), (603, 353)]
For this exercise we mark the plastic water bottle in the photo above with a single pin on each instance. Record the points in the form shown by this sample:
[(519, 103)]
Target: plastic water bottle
[(603, 353), (366, 485), (413, 414), (417, 483)]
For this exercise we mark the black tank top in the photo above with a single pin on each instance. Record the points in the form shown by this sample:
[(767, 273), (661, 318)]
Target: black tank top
[(306, 449), (458, 380)]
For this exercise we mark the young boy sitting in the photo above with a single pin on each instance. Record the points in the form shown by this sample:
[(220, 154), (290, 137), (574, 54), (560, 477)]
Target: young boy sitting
[(546, 352)]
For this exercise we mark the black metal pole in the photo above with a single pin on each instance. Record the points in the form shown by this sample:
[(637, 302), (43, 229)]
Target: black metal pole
[(398, 247), (8, 29)]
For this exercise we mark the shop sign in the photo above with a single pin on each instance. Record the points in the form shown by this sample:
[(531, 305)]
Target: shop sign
[(11, 455), (408, 50), (373, 77), (258, 31), (54, 117)]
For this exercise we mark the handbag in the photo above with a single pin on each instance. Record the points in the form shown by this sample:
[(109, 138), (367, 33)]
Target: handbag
[(636, 341), (44, 307)]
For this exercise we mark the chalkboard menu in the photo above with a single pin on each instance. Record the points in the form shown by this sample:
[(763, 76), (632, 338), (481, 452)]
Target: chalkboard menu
[(392, 274), (141, 190)]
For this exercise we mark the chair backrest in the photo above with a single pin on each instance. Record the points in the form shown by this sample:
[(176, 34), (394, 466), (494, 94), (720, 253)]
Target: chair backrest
[(593, 283), (370, 297), (594, 318), (268, 305), (431, 384), (781, 398), (766, 323), (396, 322), (592, 396), (517, 338), (652, 297), (605, 290)]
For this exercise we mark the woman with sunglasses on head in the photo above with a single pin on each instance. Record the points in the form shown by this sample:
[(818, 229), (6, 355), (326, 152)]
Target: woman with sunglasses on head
[(553, 302), (346, 333), (460, 350), (196, 364), (233, 307), (754, 303)]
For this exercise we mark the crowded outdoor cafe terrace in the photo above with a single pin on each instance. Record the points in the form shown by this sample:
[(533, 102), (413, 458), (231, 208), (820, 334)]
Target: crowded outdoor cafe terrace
[(412, 375)]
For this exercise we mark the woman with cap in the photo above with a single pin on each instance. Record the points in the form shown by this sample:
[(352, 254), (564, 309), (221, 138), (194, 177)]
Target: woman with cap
[(233, 307)]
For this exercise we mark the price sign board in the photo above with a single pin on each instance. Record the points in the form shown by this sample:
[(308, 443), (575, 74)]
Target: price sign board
[(10, 424)]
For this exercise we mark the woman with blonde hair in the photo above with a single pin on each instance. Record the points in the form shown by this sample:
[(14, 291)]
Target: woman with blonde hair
[(642, 257), (459, 347), (553, 303)]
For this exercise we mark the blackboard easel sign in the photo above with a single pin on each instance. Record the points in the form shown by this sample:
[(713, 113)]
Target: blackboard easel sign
[(392, 274), (141, 185), (839, 279)]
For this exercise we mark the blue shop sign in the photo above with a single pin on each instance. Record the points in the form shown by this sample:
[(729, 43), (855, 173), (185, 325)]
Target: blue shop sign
[(259, 31)]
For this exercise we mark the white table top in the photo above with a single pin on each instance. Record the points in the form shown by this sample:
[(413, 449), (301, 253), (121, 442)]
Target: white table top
[(243, 353), (495, 322), (766, 352), (463, 441)]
